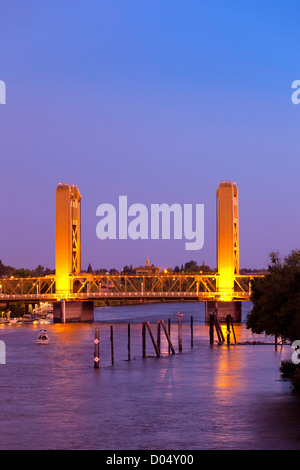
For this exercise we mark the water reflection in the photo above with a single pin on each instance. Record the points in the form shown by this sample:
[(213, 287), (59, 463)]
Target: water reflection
[(219, 396)]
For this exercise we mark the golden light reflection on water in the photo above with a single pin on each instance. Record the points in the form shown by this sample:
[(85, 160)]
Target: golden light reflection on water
[(203, 397), (165, 383), (226, 373), (222, 372)]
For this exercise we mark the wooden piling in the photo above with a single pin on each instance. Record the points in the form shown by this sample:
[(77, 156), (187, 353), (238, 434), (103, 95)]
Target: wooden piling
[(158, 336), (192, 332), (232, 328), (128, 342), (169, 333), (144, 338), (152, 338), (211, 328), (228, 328), (179, 334), (96, 349), (218, 329), (112, 344), (171, 347)]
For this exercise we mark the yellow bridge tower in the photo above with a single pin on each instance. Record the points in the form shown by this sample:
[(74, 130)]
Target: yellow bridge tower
[(227, 253), (68, 236), (68, 256), (228, 238)]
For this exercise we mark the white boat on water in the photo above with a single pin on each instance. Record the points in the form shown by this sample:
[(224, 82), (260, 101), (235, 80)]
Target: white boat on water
[(43, 337), (28, 318)]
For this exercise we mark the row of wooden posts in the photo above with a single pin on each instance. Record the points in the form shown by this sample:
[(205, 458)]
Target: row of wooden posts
[(161, 326), (214, 324)]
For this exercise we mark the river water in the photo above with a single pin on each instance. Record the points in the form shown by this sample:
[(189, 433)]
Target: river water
[(206, 397)]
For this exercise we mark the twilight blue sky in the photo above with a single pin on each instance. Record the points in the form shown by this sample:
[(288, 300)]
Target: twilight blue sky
[(156, 100)]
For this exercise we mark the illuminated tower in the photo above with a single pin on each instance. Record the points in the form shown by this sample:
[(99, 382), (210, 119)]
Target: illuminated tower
[(68, 236), (228, 237), (227, 254)]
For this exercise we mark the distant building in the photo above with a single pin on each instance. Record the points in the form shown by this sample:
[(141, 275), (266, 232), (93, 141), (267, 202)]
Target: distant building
[(144, 270)]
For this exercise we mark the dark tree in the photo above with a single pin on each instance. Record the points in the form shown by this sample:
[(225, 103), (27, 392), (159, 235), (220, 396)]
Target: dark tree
[(6, 270), (39, 271), (113, 271), (276, 298), (89, 269), (204, 268), (191, 267), (2, 269), (128, 270), (23, 273)]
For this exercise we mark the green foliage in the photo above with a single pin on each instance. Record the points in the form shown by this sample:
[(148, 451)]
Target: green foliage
[(295, 379), (89, 269), (17, 309), (8, 271), (276, 299), (128, 270), (23, 273), (192, 267), (287, 367)]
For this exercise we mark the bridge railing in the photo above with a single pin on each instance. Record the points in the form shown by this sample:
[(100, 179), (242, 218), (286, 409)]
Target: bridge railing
[(14, 286), (107, 285), (143, 284)]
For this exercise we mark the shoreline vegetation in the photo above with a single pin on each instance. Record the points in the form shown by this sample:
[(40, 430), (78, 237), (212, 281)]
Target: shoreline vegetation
[(276, 307), (190, 267), (291, 371)]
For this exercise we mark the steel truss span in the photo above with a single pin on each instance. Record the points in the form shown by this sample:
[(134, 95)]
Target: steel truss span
[(161, 286)]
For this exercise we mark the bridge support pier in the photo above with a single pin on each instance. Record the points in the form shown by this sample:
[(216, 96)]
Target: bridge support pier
[(7, 311), (222, 309), (73, 311)]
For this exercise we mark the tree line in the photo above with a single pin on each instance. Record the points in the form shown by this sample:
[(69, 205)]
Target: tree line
[(190, 267), (276, 298), (39, 271)]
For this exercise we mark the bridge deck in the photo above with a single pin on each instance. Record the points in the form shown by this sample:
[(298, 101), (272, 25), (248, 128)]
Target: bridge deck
[(99, 287)]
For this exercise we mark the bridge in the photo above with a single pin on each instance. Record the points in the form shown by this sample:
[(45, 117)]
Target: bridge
[(73, 293)]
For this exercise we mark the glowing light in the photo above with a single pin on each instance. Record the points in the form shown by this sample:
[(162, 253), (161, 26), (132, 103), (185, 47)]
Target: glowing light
[(228, 240), (68, 244)]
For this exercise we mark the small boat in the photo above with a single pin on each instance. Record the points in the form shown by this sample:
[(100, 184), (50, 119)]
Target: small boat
[(43, 337), (28, 318)]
